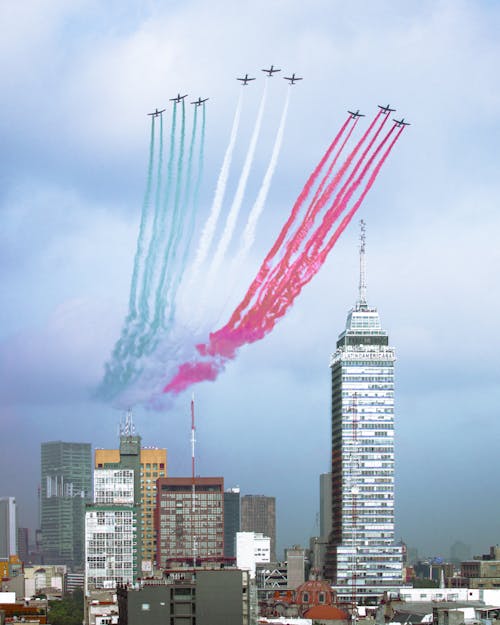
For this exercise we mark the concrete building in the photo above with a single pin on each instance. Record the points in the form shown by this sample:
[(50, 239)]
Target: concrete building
[(362, 558), (231, 521), (295, 558), (189, 519), (150, 463), (8, 527), (252, 549), (483, 572), (258, 514), (66, 486), (186, 597)]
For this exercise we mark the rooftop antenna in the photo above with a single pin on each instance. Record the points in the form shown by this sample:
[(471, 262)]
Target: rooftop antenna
[(362, 265), (127, 427), (193, 490)]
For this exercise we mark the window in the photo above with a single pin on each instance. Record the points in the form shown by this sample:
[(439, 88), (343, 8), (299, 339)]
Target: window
[(145, 607)]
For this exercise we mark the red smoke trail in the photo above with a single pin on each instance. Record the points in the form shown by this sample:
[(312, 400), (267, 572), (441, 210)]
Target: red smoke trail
[(331, 216), (280, 295), (226, 342), (265, 267)]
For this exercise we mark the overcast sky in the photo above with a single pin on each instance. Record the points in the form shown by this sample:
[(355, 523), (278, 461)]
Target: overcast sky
[(77, 81)]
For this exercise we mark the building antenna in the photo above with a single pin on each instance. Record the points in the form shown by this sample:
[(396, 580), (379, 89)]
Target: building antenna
[(193, 466), (362, 265)]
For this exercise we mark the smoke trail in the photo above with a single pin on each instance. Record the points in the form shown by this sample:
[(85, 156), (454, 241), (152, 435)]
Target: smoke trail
[(248, 235), (238, 198), (223, 343), (207, 234)]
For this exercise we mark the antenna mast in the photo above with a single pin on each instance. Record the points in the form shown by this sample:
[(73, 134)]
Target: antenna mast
[(193, 490), (362, 265)]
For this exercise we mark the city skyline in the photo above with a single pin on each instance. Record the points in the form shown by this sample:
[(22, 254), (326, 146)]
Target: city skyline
[(75, 138)]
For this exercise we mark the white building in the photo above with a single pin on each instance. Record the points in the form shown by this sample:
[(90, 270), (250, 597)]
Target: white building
[(110, 531), (252, 549), (362, 558), (8, 527)]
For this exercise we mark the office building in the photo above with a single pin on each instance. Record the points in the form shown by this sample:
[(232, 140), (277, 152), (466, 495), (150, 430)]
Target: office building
[(231, 521), (8, 527), (252, 548), (362, 558), (189, 519), (150, 464), (258, 514), (325, 504), (66, 487)]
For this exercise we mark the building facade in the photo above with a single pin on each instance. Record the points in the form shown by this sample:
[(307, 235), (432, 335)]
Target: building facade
[(151, 464), (66, 487), (189, 519), (231, 521), (258, 514), (251, 549), (8, 527), (362, 558)]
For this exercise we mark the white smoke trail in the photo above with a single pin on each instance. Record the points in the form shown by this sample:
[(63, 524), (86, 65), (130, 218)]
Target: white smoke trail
[(207, 234), (237, 202)]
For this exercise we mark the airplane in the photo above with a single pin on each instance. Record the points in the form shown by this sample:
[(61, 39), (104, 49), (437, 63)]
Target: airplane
[(356, 114), (271, 70), (401, 122), (293, 79), (178, 99), (199, 101), (386, 109), (157, 112), (245, 80)]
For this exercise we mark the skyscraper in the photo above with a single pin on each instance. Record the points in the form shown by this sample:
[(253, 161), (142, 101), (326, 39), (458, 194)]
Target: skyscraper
[(149, 463), (66, 486), (362, 558), (8, 527), (258, 514)]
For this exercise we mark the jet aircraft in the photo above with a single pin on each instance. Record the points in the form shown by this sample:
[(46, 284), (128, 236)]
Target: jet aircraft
[(401, 122), (356, 114), (386, 109), (293, 79), (199, 101), (245, 80), (271, 70), (156, 113), (178, 99)]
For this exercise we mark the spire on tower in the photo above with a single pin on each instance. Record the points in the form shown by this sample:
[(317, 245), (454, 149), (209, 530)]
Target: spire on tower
[(127, 427), (362, 266)]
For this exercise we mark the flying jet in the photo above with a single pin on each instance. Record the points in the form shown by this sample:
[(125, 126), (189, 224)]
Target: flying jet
[(386, 109), (199, 101), (401, 122), (245, 80), (156, 113), (178, 99), (293, 79), (356, 114), (271, 70)]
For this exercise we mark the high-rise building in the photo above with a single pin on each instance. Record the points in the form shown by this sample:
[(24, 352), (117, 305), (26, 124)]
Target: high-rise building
[(231, 521), (189, 519), (258, 514), (8, 527), (66, 486), (362, 558), (325, 504), (23, 544), (111, 551), (150, 463)]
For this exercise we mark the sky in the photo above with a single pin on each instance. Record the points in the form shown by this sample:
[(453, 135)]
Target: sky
[(77, 81)]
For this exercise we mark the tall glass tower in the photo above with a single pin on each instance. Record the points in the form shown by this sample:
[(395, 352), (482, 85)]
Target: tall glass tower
[(362, 559)]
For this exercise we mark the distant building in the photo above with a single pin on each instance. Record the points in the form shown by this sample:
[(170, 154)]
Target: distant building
[(362, 558), (189, 519), (295, 566), (66, 486), (23, 544), (459, 552), (325, 504), (8, 527), (482, 572), (231, 521), (149, 463), (204, 597), (252, 548), (258, 514)]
